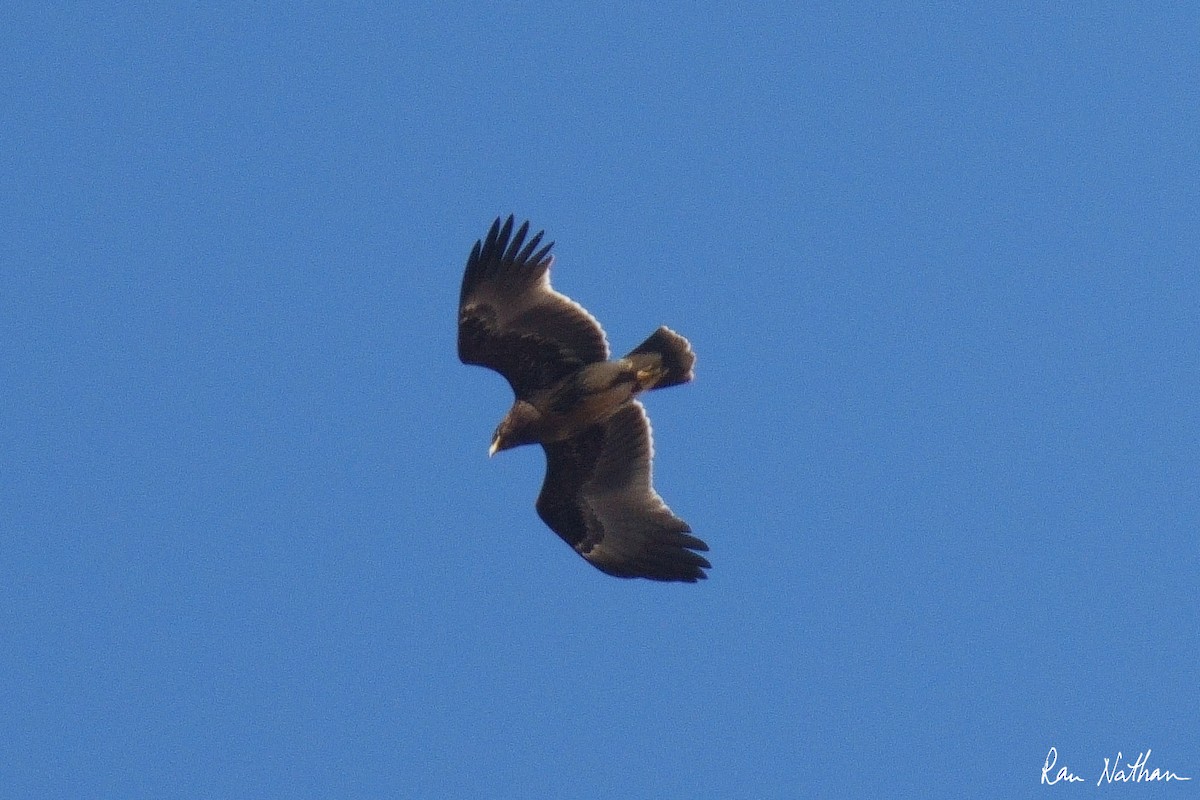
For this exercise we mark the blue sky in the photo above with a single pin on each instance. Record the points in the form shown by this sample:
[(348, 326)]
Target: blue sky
[(939, 266)]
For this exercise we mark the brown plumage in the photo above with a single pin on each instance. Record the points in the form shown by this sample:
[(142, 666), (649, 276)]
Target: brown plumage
[(579, 406)]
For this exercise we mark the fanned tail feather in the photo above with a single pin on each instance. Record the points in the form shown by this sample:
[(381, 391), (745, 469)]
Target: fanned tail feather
[(664, 359)]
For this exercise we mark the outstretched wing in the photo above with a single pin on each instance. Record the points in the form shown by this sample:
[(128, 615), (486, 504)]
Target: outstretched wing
[(510, 320), (598, 497)]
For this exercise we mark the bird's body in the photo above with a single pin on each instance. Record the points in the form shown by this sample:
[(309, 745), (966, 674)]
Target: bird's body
[(587, 396), (580, 406)]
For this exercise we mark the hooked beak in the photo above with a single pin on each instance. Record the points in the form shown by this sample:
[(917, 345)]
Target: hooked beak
[(492, 450)]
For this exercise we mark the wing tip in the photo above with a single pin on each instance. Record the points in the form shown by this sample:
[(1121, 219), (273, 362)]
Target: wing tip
[(504, 257), (673, 562), (504, 247)]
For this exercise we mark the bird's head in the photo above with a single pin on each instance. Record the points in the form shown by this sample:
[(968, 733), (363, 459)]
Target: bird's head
[(518, 427)]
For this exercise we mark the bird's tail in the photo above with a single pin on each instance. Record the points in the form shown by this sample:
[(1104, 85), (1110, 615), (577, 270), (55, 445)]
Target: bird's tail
[(665, 359)]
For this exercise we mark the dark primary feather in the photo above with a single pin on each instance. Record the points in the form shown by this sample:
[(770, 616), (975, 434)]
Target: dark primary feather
[(510, 320), (599, 498)]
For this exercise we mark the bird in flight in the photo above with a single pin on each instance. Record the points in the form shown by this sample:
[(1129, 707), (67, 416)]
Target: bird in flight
[(580, 406)]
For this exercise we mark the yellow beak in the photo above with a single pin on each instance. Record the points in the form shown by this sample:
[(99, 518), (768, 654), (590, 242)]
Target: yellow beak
[(492, 450)]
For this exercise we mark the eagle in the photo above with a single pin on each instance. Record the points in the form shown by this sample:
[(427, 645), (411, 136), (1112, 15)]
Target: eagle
[(580, 406)]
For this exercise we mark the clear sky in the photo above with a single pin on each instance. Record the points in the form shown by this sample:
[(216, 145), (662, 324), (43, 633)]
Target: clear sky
[(940, 268)]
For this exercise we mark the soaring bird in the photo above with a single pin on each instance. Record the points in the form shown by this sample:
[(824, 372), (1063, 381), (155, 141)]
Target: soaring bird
[(579, 406)]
